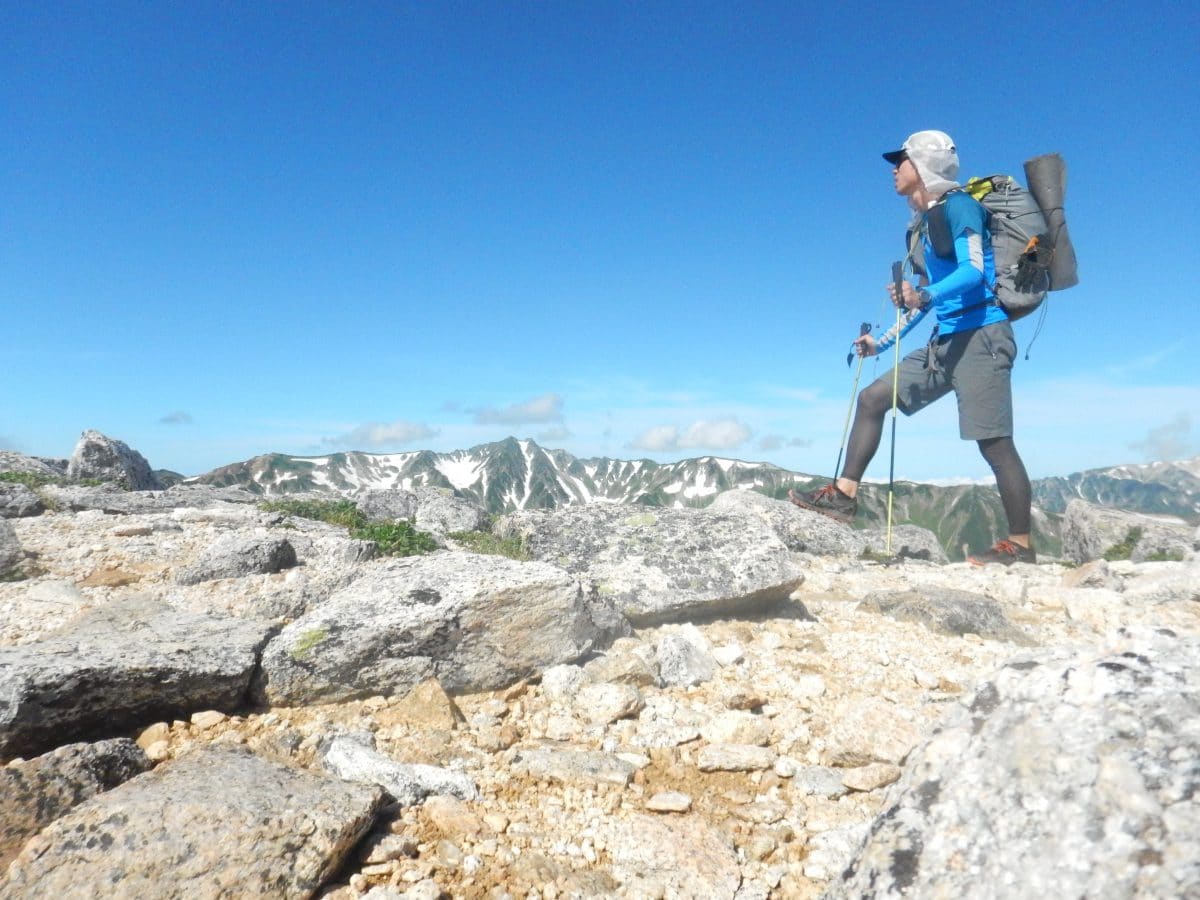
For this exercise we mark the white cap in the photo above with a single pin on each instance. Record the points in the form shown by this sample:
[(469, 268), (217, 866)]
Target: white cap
[(934, 156)]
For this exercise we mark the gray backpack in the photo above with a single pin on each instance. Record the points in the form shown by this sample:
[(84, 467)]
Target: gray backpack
[(1018, 229), (1031, 247)]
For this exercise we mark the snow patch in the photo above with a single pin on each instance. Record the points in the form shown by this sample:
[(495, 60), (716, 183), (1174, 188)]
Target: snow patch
[(462, 473)]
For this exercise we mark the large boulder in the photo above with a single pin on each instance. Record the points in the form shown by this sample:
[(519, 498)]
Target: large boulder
[(473, 622), (433, 510), (35, 792), (10, 548), (387, 504), (908, 542), (237, 555), (218, 822), (17, 501), (801, 530), (440, 512), (1070, 773), (116, 667), (103, 458), (1098, 532), (661, 565)]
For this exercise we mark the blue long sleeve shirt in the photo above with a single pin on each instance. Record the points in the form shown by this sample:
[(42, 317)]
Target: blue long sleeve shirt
[(960, 285)]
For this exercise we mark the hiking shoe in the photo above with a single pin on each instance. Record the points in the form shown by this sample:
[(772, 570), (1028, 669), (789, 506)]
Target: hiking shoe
[(828, 501), (1005, 553)]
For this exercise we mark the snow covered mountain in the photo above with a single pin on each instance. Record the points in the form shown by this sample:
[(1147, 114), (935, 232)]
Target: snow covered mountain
[(509, 475), (518, 474), (1163, 488)]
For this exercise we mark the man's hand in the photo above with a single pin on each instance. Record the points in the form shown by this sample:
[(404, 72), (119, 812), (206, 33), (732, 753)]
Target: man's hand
[(912, 299), (865, 346)]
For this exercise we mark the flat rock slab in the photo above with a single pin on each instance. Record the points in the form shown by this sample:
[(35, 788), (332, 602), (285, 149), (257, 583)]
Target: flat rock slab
[(735, 758), (130, 663), (407, 784), (114, 500), (575, 766), (219, 822), (35, 792), (947, 611), (662, 565), (1070, 773), (472, 622)]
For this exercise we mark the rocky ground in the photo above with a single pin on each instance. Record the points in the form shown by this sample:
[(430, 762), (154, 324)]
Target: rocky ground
[(717, 752)]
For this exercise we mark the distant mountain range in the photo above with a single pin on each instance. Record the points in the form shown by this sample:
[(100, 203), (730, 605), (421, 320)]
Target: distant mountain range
[(518, 474)]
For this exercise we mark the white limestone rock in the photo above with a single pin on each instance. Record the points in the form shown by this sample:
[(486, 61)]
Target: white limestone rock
[(473, 622), (662, 565), (1071, 772)]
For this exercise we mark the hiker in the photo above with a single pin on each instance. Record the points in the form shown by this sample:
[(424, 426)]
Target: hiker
[(970, 353)]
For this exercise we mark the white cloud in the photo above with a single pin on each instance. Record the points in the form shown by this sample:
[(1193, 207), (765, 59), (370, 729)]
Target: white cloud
[(176, 418), (1146, 363), (722, 434), (776, 441), (377, 435), (658, 438), (717, 434), (1168, 442), (546, 408), (802, 395)]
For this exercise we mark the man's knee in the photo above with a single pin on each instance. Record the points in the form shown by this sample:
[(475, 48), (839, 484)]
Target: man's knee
[(873, 401)]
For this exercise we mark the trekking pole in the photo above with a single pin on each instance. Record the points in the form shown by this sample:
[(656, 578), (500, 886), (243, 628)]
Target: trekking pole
[(864, 328), (898, 283)]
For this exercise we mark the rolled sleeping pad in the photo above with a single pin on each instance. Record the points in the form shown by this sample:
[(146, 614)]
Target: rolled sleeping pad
[(1046, 176)]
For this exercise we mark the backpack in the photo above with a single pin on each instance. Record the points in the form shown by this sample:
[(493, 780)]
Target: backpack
[(1018, 230), (1031, 247)]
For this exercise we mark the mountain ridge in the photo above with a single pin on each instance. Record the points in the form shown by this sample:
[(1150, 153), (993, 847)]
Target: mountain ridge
[(517, 473)]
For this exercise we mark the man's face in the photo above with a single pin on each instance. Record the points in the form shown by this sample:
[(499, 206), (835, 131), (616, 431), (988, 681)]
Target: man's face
[(906, 178)]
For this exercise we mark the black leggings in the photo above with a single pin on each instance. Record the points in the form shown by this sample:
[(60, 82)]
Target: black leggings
[(1000, 453)]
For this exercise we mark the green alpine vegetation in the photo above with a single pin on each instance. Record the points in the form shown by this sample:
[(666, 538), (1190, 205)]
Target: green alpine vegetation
[(1124, 550), (513, 547), (34, 480), (29, 479), (332, 512), (392, 538)]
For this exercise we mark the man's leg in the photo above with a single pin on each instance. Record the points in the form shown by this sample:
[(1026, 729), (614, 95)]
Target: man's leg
[(982, 376), (865, 434), (1013, 483), (918, 387)]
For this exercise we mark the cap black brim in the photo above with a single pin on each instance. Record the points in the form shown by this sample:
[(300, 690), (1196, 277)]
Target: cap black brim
[(895, 157)]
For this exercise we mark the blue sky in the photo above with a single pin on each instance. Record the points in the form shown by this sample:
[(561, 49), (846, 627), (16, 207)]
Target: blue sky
[(623, 229)]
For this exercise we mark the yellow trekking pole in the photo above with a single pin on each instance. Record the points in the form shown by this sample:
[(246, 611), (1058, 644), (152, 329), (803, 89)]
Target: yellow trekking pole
[(898, 282), (865, 328)]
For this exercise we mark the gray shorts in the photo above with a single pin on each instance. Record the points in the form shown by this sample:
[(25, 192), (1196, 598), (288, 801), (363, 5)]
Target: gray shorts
[(977, 366)]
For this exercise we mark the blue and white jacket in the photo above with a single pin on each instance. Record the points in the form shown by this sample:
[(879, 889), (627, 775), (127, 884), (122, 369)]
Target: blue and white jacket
[(959, 265)]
